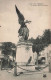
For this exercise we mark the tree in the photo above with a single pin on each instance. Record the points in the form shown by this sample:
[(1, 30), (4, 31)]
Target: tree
[(46, 38), (8, 48), (41, 42), (37, 46), (31, 40)]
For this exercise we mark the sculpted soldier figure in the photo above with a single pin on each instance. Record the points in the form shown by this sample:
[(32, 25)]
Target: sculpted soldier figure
[(23, 32)]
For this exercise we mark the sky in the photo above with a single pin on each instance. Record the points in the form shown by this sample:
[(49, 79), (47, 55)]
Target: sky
[(37, 11)]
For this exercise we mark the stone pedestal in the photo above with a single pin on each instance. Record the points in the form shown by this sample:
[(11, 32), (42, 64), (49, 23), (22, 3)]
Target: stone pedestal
[(24, 51), (24, 56)]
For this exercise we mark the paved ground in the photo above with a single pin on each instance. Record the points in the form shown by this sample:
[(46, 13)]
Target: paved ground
[(6, 75)]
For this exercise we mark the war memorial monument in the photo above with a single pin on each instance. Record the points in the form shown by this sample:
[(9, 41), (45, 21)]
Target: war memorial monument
[(24, 54)]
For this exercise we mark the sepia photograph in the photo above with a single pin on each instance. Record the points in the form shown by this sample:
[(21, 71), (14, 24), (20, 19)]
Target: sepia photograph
[(25, 39)]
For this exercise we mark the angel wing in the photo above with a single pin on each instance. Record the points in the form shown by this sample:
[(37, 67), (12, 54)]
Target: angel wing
[(20, 16)]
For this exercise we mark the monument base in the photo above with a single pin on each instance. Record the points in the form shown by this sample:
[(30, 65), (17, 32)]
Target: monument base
[(24, 57), (24, 52)]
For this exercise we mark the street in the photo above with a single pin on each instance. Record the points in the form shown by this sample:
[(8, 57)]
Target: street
[(6, 75)]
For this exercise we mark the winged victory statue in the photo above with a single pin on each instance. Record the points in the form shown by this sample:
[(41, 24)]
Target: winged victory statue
[(23, 31)]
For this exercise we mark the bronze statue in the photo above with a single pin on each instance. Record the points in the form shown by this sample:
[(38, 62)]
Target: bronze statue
[(23, 31)]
